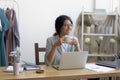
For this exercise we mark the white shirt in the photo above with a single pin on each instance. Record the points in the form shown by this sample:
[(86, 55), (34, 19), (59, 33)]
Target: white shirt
[(64, 47)]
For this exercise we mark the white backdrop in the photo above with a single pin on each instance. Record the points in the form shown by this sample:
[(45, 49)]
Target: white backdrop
[(36, 20)]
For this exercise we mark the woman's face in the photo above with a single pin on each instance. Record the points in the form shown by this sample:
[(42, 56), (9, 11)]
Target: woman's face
[(66, 28)]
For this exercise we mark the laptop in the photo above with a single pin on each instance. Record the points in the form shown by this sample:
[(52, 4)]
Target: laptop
[(72, 60), (112, 64)]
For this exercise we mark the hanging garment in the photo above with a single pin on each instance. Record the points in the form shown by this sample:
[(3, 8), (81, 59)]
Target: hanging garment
[(12, 35), (5, 26), (16, 36), (9, 36)]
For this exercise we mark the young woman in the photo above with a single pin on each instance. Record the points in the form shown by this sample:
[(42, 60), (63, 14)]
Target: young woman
[(56, 45)]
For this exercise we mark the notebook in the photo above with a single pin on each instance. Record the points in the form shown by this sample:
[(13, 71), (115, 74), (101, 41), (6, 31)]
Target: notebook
[(30, 66), (72, 60)]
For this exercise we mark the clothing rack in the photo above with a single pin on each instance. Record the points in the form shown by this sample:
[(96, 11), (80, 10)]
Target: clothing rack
[(12, 4), (9, 33)]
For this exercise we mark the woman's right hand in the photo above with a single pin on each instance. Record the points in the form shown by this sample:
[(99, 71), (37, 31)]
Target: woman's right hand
[(59, 41)]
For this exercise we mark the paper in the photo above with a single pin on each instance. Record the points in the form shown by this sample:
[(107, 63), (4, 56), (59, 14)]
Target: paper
[(10, 69), (98, 68)]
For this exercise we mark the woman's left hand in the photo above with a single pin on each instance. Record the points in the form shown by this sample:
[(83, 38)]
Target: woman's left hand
[(74, 41)]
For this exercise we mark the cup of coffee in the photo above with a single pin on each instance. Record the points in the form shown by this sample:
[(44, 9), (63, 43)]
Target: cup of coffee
[(67, 39)]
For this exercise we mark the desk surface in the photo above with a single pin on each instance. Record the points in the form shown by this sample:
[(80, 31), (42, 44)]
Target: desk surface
[(53, 74)]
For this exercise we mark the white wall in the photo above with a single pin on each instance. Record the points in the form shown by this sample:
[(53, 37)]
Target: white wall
[(36, 20), (109, 5)]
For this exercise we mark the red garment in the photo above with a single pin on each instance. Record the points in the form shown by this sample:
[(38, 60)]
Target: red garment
[(8, 36)]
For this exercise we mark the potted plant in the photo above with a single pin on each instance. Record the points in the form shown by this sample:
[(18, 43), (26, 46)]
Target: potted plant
[(87, 23)]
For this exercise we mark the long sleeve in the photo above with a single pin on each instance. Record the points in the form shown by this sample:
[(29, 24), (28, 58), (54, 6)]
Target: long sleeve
[(16, 36)]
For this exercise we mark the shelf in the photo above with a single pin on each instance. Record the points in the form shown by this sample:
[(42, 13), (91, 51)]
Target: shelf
[(98, 34), (91, 13), (102, 24)]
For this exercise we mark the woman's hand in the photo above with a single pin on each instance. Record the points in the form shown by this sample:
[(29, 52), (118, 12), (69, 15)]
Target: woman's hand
[(59, 41), (74, 41)]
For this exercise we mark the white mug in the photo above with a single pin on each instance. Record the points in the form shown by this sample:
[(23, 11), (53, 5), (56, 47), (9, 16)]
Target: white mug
[(67, 39)]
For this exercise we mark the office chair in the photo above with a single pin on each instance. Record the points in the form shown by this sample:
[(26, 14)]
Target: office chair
[(38, 50)]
